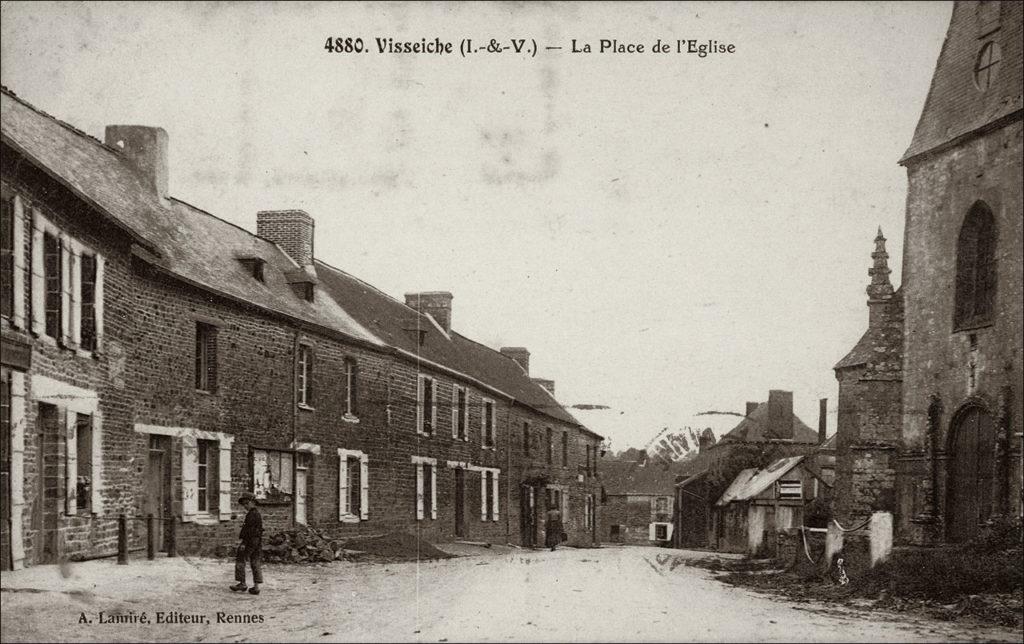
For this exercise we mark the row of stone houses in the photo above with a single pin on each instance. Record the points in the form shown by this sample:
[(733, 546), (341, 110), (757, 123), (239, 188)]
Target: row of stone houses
[(929, 425), (159, 360)]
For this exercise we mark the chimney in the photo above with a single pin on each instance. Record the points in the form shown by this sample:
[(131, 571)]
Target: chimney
[(822, 420), (292, 230), (520, 355), (705, 440), (547, 384), (780, 414), (437, 303), (751, 406), (146, 149)]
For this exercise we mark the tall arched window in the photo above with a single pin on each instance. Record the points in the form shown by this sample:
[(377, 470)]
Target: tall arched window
[(976, 268)]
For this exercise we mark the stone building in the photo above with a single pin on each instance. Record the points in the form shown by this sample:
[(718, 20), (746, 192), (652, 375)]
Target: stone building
[(944, 453), (638, 501), (159, 360)]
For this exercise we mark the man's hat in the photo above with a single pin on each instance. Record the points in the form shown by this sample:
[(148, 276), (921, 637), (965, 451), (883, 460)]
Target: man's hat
[(247, 497)]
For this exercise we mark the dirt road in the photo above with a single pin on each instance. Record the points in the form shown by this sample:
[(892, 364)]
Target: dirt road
[(617, 594)]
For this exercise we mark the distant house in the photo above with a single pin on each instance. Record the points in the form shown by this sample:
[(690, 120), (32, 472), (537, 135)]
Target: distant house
[(768, 431), (760, 502), (638, 497)]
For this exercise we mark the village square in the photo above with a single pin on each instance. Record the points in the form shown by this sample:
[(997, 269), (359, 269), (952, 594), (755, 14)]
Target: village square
[(715, 375)]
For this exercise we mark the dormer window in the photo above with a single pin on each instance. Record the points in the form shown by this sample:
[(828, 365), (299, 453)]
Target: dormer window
[(303, 290), (254, 266)]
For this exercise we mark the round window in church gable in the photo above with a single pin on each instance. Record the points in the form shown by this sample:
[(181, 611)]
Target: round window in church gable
[(987, 65)]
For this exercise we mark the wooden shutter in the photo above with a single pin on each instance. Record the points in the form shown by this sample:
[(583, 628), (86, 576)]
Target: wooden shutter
[(224, 479), (309, 377), (419, 490), (98, 301), (38, 275), (433, 491), (354, 394), (65, 289), (97, 462), (455, 411), (364, 491), (483, 496), (189, 478), (71, 477), (494, 496), (420, 400)]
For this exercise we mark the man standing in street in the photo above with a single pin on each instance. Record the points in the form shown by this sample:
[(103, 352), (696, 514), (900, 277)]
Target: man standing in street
[(250, 546), (553, 528)]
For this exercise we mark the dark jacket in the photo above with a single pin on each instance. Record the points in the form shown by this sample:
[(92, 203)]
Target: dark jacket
[(252, 528)]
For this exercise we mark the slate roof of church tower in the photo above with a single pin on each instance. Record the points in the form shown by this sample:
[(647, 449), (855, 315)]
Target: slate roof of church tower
[(955, 106)]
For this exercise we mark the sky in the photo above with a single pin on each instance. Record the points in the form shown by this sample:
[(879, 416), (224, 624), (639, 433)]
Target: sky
[(667, 234)]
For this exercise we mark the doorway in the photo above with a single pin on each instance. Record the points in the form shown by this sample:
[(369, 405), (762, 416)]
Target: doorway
[(158, 486), (970, 476), (460, 502), (528, 516)]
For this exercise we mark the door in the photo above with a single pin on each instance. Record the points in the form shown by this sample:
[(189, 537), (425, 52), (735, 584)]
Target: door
[(157, 500), (460, 502), (527, 516), (49, 481), (6, 559), (300, 495), (970, 476)]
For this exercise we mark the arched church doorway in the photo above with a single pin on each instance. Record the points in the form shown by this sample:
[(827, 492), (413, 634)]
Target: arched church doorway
[(970, 479)]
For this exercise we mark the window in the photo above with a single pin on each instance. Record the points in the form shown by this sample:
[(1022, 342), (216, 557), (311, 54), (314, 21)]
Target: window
[(565, 449), (351, 387), (987, 64), (551, 446), (790, 490), (975, 269), (206, 357), (272, 474), (7, 257), (53, 284), (487, 421), (83, 453), (304, 383), (254, 266), (208, 481), (460, 413), (489, 494), (588, 512), (661, 505), (661, 532), (87, 298), (426, 487), (526, 438), (426, 409), (353, 486)]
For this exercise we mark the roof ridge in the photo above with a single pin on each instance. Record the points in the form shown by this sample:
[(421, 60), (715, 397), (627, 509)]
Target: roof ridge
[(85, 135)]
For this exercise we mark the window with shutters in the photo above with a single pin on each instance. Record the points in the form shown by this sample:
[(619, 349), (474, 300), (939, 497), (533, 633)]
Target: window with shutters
[(353, 486), (426, 407), (53, 285), (7, 257), (661, 505), (426, 487), (976, 269), (351, 389), (208, 480), (661, 532), (487, 424), (272, 474), (206, 357), (87, 299), (304, 381), (83, 460)]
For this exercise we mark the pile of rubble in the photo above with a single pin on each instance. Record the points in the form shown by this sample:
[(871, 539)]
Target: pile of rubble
[(302, 545)]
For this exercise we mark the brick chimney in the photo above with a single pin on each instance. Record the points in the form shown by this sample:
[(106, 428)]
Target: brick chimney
[(751, 406), (437, 303), (822, 420), (146, 149), (780, 414), (520, 355), (547, 384), (292, 230)]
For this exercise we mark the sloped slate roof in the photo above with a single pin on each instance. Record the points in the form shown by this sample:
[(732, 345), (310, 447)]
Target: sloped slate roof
[(630, 477), (751, 482), (204, 250), (955, 106), (754, 429), (881, 346)]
